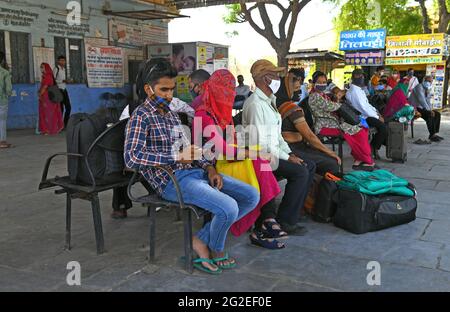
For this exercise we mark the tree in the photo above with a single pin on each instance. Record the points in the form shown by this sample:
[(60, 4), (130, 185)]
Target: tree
[(242, 13), (396, 16)]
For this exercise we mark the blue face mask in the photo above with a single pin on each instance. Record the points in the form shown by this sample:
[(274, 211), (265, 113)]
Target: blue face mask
[(379, 88), (320, 87)]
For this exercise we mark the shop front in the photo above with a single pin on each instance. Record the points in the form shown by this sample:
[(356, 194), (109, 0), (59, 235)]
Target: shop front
[(364, 48), (427, 55)]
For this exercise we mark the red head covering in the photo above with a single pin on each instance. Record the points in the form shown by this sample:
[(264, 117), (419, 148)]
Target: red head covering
[(47, 75), (218, 96)]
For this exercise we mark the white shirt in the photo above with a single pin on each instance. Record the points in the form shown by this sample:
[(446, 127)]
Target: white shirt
[(261, 112), (413, 82), (358, 99), (177, 106), (60, 76), (243, 90)]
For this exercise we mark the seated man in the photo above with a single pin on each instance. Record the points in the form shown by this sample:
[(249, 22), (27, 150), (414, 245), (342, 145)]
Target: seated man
[(420, 99), (153, 137), (261, 113), (358, 99)]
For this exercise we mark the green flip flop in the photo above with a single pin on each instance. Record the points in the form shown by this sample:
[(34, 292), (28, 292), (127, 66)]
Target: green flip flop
[(224, 258), (199, 266)]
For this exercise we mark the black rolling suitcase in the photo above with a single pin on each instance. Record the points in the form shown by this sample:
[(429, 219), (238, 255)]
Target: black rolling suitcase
[(396, 142)]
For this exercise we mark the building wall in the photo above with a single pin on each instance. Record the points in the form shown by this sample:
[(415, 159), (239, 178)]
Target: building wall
[(41, 22)]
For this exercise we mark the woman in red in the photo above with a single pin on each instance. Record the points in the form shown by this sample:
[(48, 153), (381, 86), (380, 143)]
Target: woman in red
[(215, 112), (50, 117)]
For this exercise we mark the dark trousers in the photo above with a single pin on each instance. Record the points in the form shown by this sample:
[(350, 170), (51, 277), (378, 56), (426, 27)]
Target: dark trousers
[(433, 123), (324, 163), (65, 106), (121, 199), (299, 179), (381, 135)]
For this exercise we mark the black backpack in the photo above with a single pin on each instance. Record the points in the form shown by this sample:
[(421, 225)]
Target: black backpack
[(106, 158)]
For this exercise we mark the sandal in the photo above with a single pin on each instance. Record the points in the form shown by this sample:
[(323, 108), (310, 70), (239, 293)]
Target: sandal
[(199, 266), (265, 243), (270, 232), (363, 167), (230, 265), (5, 145)]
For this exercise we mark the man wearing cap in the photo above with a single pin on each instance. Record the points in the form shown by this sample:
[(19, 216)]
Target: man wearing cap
[(261, 113), (358, 99)]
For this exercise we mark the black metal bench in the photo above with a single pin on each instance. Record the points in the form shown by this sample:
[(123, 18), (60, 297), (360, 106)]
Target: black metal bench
[(152, 200), (90, 191)]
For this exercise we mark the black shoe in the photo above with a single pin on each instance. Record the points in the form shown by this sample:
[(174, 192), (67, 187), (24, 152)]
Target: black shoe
[(294, 230), (435, 139), (439, 137)]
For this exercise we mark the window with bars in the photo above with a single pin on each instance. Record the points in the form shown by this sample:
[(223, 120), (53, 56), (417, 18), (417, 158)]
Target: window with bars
[(20, 57)]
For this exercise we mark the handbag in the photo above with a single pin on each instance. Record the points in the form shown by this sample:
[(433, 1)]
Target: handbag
[(348, 114), (241, 170), (54, 93)]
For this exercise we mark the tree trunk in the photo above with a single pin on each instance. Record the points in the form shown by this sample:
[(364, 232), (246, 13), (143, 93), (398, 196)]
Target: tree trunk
[(425, 17), (282, 60)]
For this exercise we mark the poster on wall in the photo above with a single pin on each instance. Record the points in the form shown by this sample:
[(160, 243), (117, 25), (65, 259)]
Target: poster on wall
[(183, 88), (163, 51), (125, 35), (220, 64), (104, 67), (184, 57), (415, 45), (206, 58), (437, 89), (42, 55)]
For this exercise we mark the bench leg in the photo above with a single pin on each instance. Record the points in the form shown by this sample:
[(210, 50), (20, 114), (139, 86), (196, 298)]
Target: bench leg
[(341, 156), (68, 220), (152, 233), (188, 248), (412, 129), (97, 224)]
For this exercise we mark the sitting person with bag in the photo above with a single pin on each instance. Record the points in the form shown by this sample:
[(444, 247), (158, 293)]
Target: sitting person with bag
[(155, 137), (296, 132), (327, 123), (212, 118)]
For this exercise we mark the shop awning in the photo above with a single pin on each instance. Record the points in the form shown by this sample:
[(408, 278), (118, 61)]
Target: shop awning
[(144, 15), (316, 55), (187, 4)]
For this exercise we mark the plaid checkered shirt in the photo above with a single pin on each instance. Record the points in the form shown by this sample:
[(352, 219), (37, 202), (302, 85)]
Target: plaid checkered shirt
[(153, 139)]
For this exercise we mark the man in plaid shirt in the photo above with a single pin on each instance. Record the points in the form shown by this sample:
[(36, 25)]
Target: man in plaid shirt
[(154, 137)]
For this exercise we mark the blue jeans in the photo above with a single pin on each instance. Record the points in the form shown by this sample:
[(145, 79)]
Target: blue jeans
[(228, 205)]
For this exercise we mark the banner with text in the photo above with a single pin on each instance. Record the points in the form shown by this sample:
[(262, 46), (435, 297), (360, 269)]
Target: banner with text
[(104, 67)]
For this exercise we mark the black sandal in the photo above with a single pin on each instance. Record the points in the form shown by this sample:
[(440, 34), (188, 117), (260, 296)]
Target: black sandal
[(268, 243), (270, 232)]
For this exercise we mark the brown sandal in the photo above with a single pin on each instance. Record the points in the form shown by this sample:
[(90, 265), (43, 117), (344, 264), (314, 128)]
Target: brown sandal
[(5, 145)]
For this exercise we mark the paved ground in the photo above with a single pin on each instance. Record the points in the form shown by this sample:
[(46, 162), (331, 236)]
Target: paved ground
[(413, 257)]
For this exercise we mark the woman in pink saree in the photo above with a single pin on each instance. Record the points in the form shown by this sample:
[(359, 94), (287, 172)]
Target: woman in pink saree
[(50, 117), (215, 112)]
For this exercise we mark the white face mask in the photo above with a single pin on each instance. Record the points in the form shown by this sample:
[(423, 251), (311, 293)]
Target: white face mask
[(275, 85)]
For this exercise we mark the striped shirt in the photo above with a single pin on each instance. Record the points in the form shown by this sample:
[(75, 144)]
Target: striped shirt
[(153, 139)]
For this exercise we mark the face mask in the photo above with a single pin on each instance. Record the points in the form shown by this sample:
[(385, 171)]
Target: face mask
[(358, 81), (379, 88), (160, 102), (411, 73), (193, 93), (275, 85), (427, 85), (321, 87)]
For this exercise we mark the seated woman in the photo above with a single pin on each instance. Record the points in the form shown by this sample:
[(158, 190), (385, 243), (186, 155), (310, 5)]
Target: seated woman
[(215, 114), (397, 100), (296, 132), (328, 124)]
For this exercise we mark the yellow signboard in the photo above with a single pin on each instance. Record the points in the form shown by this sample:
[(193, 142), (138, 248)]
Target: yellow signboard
[(415, 45)]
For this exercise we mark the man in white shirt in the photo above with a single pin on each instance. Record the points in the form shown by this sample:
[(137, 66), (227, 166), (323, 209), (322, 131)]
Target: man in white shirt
[(357, 98), (413, 81), (260, 112), (242, 93), (59, 72)]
